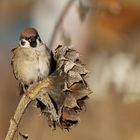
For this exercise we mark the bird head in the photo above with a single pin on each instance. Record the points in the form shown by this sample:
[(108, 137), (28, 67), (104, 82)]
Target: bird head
[(29, 37)]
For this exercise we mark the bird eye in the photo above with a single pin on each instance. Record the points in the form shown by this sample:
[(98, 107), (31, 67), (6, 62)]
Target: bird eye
[(22, 42)]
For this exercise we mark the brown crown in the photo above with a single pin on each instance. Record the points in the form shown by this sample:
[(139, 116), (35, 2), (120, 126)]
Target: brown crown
[(28, 32)]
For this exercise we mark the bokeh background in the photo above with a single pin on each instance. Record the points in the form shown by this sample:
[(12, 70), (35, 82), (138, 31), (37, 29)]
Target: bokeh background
[(107, 35)]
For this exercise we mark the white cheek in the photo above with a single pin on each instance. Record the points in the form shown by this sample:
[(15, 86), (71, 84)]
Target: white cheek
[(27, 44), (38, 42)]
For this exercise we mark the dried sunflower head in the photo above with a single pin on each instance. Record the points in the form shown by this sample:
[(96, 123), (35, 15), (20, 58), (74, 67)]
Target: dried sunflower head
[(65, 98)]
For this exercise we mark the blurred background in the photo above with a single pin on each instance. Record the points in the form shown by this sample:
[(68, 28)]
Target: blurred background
[(107, 35)]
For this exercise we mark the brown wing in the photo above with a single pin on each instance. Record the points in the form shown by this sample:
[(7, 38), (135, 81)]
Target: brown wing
[(21, 88), (12, 63), (13, 49)]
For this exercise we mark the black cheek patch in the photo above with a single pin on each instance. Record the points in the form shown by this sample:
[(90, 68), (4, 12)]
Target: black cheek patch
[(33, 44)]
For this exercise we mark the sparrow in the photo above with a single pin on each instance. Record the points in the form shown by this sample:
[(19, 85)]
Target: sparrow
[(31, 59)]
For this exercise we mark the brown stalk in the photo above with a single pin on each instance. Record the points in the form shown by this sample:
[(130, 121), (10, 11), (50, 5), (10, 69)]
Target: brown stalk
[(59, 21), (22, 106)]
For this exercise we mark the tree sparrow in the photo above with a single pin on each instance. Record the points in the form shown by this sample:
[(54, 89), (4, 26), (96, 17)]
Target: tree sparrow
[(31, 59)]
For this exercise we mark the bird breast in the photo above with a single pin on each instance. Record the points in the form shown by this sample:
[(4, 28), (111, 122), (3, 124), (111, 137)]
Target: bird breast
[(31, 65)]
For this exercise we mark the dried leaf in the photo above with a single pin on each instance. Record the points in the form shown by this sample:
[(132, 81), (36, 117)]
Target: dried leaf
[(70, 114), (80, 69), (74, 77), (68, 66), (70, 102), (60, 52), (79, 90), (72, 55), (50, 107)]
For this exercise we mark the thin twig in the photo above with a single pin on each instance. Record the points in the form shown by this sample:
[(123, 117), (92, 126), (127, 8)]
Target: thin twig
[(59, 22)]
